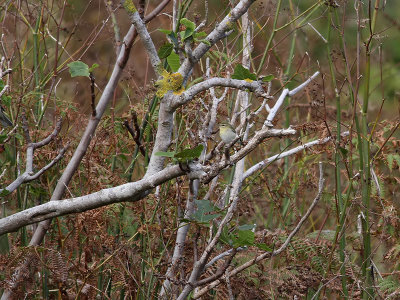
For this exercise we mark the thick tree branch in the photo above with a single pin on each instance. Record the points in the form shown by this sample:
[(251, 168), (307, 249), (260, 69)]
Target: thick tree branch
[(146, 39), (126, 192)]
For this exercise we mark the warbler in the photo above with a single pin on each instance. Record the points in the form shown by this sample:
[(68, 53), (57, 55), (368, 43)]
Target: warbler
[(4, 120), (227, 132)]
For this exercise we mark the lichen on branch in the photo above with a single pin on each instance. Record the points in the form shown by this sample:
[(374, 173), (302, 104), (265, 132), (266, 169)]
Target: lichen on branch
[(169, 82), (129, 7)]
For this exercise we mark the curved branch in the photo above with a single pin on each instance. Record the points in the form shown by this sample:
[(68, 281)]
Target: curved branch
[(50, 137), (28, 175), (189, 94)]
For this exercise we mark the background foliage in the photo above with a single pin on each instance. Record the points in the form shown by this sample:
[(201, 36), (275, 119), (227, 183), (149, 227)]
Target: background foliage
[(123, 250)]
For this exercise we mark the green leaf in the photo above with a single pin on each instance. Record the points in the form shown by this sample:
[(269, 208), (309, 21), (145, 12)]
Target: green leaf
[(206, 211), (186, 34), (188, 24), (190, 27), (189, 154), (173, 61), (267, 78), (243, 238), (78, 68), (199, 35), (174, 38), (242, 73), (166, 31), (166, 154), (94, 66), (165, 50)]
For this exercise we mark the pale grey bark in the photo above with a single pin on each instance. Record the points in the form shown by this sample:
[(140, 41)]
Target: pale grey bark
[(132, 191)]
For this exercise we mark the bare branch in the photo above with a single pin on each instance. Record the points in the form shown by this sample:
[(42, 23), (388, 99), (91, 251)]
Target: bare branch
[(284, 154), (28, 174), (259, 136), (281, 248), (146, 39), (50, 137), (189, 94), (286, 92)]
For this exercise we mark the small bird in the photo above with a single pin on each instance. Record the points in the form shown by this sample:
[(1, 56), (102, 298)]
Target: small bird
[(227, 132), (4, 120)]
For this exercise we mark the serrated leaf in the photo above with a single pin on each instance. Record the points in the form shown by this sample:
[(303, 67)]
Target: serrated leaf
[(206, 211), (173, 61), (190, 154), (242, 73), (78, 68), (188, 24), (165, 50), (166, 154), (267, 78)]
